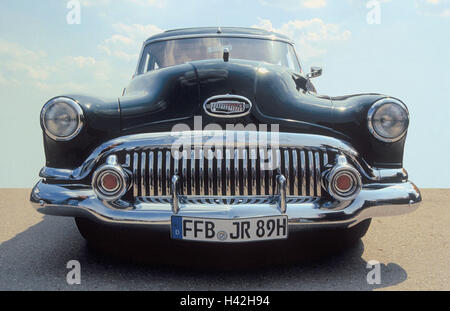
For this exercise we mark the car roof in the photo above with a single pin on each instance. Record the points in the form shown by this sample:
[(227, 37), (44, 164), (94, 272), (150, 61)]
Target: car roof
[(217, 32)]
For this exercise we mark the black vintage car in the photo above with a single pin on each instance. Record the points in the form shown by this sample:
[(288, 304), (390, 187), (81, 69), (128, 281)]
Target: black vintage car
[(221, 137)]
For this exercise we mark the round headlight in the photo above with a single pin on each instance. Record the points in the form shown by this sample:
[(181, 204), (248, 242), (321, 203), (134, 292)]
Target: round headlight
[(388, 120), (62, 118)]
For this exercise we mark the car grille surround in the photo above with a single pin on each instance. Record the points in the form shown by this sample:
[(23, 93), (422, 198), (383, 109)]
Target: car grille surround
[(225, 175)]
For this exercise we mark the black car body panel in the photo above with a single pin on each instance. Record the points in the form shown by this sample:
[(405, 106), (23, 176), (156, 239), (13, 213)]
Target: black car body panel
[(158, 100)]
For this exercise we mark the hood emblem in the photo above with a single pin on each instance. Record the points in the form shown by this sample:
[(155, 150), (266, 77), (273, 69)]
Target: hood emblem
[(227, 106)]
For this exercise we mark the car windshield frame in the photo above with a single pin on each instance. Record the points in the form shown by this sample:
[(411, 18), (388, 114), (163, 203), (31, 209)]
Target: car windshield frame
[(143, 65)]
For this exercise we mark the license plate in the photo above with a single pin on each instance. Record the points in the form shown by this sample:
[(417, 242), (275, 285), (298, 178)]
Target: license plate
[(229, 230)]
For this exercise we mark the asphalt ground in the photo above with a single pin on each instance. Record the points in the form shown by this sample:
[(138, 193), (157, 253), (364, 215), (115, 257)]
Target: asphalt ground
[(413, 251)]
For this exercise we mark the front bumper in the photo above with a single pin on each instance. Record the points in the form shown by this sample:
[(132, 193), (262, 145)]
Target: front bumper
[(377, 199)]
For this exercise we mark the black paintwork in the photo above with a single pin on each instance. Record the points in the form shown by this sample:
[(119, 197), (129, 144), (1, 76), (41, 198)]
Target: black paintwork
[(156, 101)]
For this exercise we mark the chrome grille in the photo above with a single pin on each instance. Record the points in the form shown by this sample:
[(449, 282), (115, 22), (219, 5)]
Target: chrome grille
[(227, 173)]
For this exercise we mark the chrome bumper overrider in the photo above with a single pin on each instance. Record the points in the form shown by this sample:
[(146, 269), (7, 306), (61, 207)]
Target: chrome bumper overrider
[(374, 200)]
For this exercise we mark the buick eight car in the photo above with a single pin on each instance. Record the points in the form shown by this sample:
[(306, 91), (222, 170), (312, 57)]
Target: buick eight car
[(221, 137)]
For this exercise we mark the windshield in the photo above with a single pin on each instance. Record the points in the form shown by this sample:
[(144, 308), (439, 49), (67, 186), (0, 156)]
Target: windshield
[(175, 52)]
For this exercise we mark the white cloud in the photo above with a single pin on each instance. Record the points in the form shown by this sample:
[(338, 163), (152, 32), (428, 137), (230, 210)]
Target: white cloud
[(295, 4), (127, 40), (23, 68), (152, 3), (312, 37), (439, 8), (19, 63), (314, 4), (81, 61)]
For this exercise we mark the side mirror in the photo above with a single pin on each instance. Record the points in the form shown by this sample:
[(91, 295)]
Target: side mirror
[(315, 72)]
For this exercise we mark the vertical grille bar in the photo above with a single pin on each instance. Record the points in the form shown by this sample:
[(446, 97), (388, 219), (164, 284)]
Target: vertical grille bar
[(270, 171), (193, 169), (311, 173), (219, 172), (253, 170), (317, 174), (201, 173), (184, 173), (151, 173), (228, 172), (303, 171), (168, 172), (135, 175), (278, 160), (128, 160), (244, 171), (159, 172), (143, 179), (210, 172), (286, 171), (295, 172), (236, 172), (262, 171)]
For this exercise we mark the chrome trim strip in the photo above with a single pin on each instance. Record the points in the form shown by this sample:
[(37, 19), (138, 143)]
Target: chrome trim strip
[(227, 172), (219, 172), (303, 171), (286, 171), (253, 171), (201, 172), (135, 175), (210, 172), (236, 173), (278, 160), (151, 172), (159, 172), (184, 173), (168, 171), (262, 172), (244, 171), (311, 174), (143, 180), (295, 171), (270, 172), (128, 160), (193, 170), (317, 175)]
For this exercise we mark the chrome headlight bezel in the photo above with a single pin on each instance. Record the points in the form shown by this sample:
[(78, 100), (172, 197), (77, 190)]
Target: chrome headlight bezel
[(75, 106), (371, 114)]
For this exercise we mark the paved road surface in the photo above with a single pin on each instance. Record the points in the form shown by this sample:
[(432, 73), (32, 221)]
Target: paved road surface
[(413, 250)]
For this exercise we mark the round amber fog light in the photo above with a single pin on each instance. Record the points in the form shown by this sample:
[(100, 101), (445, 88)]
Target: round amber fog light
[(344, 182), (110, 182)]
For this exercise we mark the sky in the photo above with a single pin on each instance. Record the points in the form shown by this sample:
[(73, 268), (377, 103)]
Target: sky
[(396, 47)]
